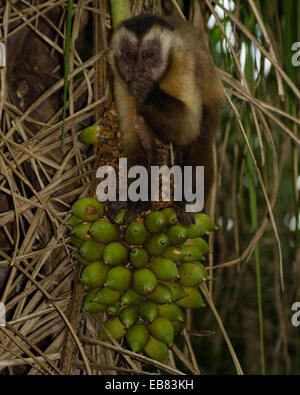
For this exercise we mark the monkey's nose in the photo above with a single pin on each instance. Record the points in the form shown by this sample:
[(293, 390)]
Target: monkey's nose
[(139, 70)]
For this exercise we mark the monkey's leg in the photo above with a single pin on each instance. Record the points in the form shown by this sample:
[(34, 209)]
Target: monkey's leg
[(200, 153)]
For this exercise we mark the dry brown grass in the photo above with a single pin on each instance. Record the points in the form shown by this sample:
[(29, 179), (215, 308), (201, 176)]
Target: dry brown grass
[(46, 331)]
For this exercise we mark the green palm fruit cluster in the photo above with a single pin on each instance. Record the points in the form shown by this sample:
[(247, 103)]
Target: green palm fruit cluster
[(143, 273)]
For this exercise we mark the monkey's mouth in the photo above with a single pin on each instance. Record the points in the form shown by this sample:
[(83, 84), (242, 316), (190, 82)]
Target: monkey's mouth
[(138, 77)]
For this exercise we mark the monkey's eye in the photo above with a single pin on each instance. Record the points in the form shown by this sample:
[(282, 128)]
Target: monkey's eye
[(148, 55), (130, 55)]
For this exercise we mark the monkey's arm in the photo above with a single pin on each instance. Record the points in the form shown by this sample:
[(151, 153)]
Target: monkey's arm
[(140, 149), (168, 117)]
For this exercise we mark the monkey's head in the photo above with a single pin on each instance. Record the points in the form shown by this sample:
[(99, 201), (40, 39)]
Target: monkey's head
[(141, 50)]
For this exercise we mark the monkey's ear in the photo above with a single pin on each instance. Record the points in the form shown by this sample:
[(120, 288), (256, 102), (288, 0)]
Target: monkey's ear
[(167, 7)]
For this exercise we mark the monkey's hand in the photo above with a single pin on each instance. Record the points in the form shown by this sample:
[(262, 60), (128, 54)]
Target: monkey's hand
[(133, 209), (114, 209), (186, 219), (140, 88), (136, 208)]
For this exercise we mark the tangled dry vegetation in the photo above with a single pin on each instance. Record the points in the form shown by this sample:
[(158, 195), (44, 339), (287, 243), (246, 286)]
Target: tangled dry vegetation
[(46, 330), (40, 179)]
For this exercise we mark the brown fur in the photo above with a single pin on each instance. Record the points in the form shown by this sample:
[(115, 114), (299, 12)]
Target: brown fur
[(183, 106)]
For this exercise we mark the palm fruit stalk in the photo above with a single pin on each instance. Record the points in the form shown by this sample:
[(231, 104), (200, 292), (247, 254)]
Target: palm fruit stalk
[(143, 272)]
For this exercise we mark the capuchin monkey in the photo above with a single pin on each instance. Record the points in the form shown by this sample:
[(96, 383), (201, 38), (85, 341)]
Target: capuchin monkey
[(166, 86)]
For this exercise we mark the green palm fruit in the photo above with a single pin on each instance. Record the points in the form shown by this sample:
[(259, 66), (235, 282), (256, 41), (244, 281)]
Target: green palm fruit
[(155, 222), (171, 311), (178, 326), (198, 242), (161, 294), (192, 274), (91, 250), (73, 221), (88, 209), (176, 290), (157, 350), (129, 316), (171, 216), (90, 135), (136, 233), (195, 230), (177, 234), (81, 231), (192, 300), (114, 309), (103, 231), (174, 253), (94, 274), (107, 295), (131, 298), (162, 329), (119, 218), (144, 281), (74, 241), (148, 310), (91, 306), (137, 337), (206, 221), (164, 269), (118, 278), (115, 253), (80, 259), (157, 244), (114, 327), (192, 253), (138, 257)]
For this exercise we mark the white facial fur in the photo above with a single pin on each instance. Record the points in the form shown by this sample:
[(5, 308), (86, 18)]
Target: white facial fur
[(162, 35)]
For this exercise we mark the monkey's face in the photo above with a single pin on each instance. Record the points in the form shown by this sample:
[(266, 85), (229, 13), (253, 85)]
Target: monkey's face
[(140, 62), (141, 59)]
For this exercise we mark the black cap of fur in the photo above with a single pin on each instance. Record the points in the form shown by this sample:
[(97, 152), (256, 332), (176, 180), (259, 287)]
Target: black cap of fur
[(141, 24)]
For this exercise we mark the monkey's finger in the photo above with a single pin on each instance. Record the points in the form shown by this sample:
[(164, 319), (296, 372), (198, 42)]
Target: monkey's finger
[(114, 209), (185, 219), (128, 214)]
